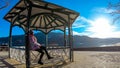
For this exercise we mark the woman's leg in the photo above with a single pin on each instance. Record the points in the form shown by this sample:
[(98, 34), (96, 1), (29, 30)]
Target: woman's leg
[(41, 56), (44, 48)]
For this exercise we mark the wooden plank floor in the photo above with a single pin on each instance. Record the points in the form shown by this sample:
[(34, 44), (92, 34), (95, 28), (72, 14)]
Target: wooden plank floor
[(12, 63), (6, 62)]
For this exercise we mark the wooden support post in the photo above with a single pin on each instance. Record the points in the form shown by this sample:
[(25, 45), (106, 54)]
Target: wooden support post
[(10, 40), (27, 47)]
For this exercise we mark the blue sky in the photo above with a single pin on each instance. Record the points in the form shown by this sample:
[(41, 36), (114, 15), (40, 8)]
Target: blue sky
[(94, 19)]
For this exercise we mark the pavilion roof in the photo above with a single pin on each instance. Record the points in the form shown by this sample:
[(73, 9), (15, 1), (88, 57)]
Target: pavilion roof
[(45, 16)]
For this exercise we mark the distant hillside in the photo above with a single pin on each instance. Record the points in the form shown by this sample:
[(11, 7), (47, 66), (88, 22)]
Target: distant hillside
[(109, 48), (58, 38), (53, 38), (84, 41)]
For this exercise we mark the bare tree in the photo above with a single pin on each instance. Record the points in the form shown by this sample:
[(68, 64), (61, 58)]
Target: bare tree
[(4, 3), (115, 10)]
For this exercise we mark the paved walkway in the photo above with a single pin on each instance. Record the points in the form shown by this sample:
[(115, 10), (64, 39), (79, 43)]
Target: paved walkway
[(82, 59), (95, 59)]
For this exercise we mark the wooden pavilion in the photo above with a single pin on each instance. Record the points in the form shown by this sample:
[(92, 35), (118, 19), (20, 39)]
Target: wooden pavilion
[(43, 16)]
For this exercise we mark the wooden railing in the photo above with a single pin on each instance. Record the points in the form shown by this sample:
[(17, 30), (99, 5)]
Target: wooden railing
[(18, 53), (4, 48)]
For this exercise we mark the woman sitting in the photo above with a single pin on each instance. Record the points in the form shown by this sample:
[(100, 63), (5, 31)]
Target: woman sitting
[(37, 47)]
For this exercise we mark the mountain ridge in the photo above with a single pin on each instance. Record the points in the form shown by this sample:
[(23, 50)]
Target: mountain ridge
[(58, 38)]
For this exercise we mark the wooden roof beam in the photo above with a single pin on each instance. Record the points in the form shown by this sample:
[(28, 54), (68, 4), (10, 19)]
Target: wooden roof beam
[(52, 10), (21, 8)]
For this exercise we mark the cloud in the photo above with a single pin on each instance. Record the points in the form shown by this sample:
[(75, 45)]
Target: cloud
[(81, 33), (93, 29), (103, 10), (76, 33), (110, 35), (102, 28), (85, 19), (81, 22)]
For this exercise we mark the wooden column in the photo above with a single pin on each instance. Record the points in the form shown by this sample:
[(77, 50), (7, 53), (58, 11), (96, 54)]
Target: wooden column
[(10, 40), (27, 47), (70, 39)]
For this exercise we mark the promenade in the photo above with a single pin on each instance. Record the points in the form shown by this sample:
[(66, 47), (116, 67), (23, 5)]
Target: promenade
[(82, 59)]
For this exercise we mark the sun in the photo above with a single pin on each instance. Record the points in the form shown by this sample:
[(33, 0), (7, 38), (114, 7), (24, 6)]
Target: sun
[(101, 28)]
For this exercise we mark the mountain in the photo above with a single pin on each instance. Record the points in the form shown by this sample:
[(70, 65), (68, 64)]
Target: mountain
[(53, 38), (58, 38), (84, 41)]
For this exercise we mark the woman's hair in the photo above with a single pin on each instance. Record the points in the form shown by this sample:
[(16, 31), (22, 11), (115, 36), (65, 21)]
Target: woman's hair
[(31, 32)]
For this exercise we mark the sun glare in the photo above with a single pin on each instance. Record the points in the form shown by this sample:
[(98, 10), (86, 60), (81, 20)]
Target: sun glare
[(102, 28)]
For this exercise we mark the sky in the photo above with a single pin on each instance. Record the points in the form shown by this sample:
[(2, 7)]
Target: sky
[(94, 21)]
